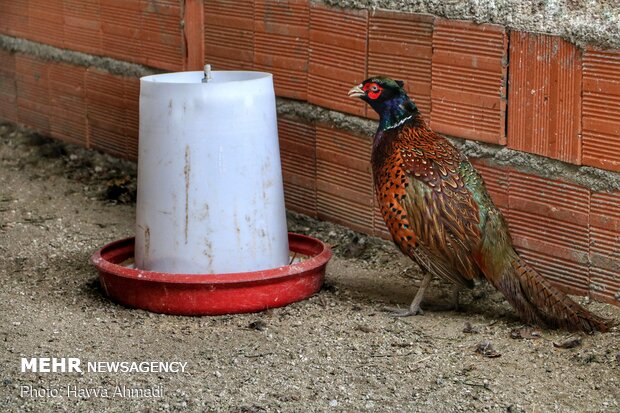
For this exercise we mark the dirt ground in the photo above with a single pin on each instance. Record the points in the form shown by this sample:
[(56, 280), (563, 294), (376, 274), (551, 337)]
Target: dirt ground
[(337, 351)]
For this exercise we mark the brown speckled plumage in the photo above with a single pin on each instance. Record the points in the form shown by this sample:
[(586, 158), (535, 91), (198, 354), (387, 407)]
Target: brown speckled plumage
[(421, 223), (439, 213)]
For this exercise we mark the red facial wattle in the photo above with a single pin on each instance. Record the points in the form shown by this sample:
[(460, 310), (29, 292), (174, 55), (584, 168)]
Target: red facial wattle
[(373, 90)]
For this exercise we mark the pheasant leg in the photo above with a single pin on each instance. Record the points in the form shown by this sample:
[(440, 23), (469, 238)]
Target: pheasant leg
[(455, 298), (414, 308)]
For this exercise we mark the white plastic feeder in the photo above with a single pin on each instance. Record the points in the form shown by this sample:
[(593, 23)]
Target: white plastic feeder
[(210, 195)]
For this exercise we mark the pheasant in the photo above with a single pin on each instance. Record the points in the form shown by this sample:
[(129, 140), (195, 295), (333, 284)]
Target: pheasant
[(440, 214)]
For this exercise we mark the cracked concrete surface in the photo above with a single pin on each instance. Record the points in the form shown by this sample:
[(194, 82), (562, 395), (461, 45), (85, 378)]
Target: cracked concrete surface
[(583, 22)]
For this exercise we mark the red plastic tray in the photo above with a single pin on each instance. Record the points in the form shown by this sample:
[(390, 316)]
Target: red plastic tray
[(211, 294)]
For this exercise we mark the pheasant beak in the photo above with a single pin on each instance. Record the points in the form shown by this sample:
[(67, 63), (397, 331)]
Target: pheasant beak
[(356, 91)]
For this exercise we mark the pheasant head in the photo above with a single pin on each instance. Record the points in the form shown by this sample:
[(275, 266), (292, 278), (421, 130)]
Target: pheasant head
[(388, 98)]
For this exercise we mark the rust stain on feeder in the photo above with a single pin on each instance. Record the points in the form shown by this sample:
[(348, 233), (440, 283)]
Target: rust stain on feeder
[(208, 252), (186, 172), (147, 243)]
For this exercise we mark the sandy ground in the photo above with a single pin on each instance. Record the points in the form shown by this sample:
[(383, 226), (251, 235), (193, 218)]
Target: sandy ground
[(337, 351)]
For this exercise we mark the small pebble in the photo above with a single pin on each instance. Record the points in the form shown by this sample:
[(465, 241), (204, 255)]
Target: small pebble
[(486, 349), (257, 325)]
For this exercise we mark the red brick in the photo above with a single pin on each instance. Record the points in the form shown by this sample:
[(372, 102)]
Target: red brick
[(14, 19), (32, 81), (298, 157), (338, 50), (229, 34), (344, 179), (8, 87), (281, 45), (45, 22), (601, 109), (469, 80), (8, 108), (131, 98), (605, 247), (605, 285), (549, 221), (111, 106), (161, 34), (68, 103), (194, 34), (400, 45), (545, 96), (120, 25), (82, 31), (144, 32)]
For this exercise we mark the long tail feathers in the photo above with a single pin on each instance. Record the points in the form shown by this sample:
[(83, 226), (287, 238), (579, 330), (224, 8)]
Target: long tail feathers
[(537, 301)]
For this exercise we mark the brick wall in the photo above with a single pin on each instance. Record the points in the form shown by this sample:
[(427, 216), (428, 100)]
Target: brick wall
[(529, 92)]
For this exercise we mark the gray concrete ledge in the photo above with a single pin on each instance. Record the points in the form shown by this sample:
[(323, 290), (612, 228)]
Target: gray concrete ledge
[(56, 54)]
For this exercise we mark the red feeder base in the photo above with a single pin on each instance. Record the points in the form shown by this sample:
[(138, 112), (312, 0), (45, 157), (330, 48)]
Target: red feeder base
[(211, 294)]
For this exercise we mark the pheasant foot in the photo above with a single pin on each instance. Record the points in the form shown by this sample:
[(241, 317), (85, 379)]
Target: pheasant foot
[(414, 308)]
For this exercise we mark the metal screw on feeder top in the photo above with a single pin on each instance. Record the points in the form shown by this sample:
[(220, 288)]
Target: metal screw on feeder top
[(207, 74)]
